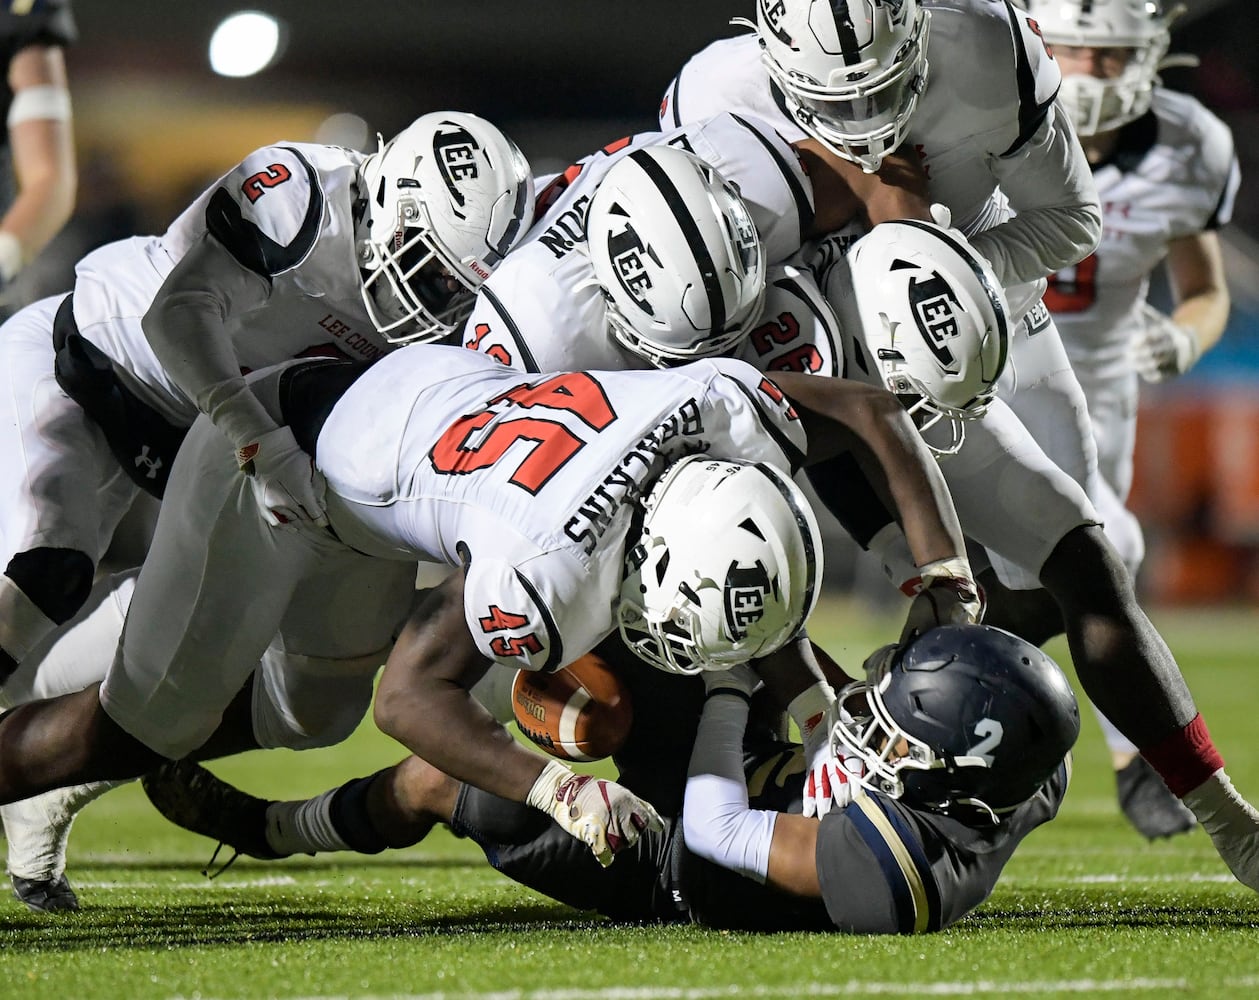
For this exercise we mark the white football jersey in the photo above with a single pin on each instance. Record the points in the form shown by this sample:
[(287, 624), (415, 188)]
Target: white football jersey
[(528, 481), (542, 309), (979, 129), (285, 212), (1174, 174)]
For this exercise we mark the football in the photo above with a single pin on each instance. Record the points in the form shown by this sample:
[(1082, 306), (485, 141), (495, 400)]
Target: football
[(580, 712)]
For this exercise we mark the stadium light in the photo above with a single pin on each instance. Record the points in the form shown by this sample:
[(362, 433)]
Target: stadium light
[(244, 43)]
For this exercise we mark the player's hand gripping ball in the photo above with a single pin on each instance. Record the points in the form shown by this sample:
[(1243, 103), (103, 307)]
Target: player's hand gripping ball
[(580, 712)]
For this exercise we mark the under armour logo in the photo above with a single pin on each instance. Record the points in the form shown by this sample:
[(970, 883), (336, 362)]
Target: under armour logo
[(152, 464)]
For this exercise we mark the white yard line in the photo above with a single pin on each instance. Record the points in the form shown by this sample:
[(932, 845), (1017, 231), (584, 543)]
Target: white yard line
[(850, 988)]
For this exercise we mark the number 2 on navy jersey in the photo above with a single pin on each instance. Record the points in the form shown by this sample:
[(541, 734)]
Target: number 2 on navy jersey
[(554, 442)]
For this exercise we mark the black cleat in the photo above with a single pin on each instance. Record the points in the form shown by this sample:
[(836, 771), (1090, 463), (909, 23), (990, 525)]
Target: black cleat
[(190, 796), (45, 895), (1149, 804)]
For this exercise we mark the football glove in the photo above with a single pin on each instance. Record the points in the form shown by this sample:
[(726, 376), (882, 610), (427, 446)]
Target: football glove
[(948, 596), (1163, 348), (286, 485), (831, 782), (603, 815)]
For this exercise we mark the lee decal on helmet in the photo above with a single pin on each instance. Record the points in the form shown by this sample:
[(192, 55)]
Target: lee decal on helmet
[(850, 71), (964, 716), (444, 201), (677, 256), (924, 313), (727, 566), (1098, 105)]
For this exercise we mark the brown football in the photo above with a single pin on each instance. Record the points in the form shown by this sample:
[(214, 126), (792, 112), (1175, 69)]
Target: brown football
[(580, 712)]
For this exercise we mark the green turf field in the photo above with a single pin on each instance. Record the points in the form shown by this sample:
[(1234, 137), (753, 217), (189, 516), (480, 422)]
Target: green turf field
[(1086, 908)]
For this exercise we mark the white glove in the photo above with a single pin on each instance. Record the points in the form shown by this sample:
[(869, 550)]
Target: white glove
[(287, 486), (948, 596), (1163, 348), (831, 782), (1232, 823), (603, 815)]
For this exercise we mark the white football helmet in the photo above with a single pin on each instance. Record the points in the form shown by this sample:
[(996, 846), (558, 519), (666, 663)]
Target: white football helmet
[(1097, 105), (924, 314), (443, 201), (727, 567), (677, 256), (850, 71)]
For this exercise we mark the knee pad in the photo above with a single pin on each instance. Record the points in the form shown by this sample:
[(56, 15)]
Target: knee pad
[(57, 581), (41, 589), (304, 702)]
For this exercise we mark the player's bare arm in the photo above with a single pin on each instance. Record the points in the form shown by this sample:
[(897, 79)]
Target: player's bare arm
[(423, 700), (42, 144), (839, 412), (843, 191), (1195, 265)]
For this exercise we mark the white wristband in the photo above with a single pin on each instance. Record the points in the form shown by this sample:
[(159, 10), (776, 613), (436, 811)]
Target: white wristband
[(953, 568), (542, 792), (236, 412), (808, 708), (10, 257), (47, 102)]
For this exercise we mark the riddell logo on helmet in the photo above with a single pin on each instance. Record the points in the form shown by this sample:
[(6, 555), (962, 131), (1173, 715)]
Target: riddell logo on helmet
[(479, 269), (935, 314), (744, 594)]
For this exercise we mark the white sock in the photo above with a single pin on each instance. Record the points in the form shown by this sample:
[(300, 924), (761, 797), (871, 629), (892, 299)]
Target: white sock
[(304, 826), (1231, 822), (38, 828)]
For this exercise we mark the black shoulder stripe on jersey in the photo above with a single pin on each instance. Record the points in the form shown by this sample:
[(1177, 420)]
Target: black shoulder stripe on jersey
[(526, 356), (249, 245), (804, 211), (690, 233), (903, 862), (795, 457), (1132, 144), (1031, 114), (1224, 204), (556, 641), (793, 287), (673, 101)]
